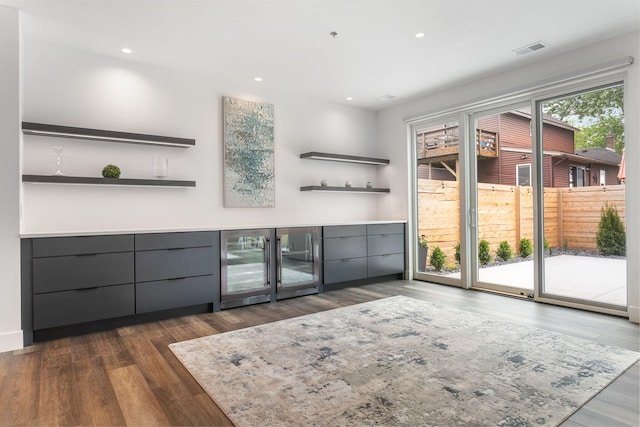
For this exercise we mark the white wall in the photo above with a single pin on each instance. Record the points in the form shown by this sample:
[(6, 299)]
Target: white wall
[(69, 87), (74, 88), (392, 132), (10, 330)]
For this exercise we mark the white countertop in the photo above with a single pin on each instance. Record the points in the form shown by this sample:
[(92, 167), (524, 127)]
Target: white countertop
[(67, 233)]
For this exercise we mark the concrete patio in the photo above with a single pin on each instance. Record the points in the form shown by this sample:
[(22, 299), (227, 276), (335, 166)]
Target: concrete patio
[(589, 278)]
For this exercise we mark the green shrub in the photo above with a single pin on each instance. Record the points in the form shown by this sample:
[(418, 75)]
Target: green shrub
[(483, 252), (504, 251), (437, 258), (457, 253), (546, 246), (111, 171), (611, 239), (525, 247)]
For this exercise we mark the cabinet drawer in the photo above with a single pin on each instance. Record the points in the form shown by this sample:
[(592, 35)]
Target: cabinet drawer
[(81, 271), (345, 270), (385, 244), (344, 247), (60, 246), (395, 228), (385, 264), (167, 294), (69, 307), (344, 231), (145, 242), (173, 263)]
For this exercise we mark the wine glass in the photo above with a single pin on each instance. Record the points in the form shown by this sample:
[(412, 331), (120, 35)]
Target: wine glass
[(58, 149)]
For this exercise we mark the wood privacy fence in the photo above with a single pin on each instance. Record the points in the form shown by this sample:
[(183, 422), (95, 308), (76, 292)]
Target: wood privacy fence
[(571, 215)]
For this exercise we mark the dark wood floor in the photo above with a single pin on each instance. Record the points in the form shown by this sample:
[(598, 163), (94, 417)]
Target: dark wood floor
[(128, 376)]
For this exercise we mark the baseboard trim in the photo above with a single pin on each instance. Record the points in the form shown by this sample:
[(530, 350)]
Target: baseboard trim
[(10, 341), (634, 313)]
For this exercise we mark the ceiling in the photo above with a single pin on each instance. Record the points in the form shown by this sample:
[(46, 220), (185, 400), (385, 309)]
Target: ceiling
[(288, 42)]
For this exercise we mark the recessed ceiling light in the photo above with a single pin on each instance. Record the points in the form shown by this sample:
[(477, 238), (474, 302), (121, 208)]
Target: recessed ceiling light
[(419, 35), (126, 50), (349, 98), (258, 79), (386, 97)]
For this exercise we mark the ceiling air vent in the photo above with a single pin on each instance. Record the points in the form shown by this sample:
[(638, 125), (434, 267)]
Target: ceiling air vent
[(529, 48)]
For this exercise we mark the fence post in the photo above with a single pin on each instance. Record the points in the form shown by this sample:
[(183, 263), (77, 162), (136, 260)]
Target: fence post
[(560, 219), (518, 208)]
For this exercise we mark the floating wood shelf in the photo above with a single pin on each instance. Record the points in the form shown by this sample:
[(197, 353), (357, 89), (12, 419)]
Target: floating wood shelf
[(63, 179), (343, 158), (104, 135), (345, 189)]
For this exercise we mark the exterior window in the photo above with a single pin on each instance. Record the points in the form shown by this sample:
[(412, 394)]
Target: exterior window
[(603, 177), (523, 175), (577, 176)]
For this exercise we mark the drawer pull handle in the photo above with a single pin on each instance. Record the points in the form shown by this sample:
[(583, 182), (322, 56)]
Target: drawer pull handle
[(87, 289), (84, 255), (176, 249), (175, 278)]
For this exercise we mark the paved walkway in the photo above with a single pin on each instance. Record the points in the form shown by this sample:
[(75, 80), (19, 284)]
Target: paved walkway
[(588, 278)]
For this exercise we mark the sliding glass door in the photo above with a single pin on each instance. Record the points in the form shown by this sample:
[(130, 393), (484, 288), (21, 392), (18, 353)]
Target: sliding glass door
[(526, 197), (502, 200), (437, 201), (584, 199)]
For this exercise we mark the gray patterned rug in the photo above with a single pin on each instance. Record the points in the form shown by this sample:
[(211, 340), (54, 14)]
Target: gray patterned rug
[(399, 361)]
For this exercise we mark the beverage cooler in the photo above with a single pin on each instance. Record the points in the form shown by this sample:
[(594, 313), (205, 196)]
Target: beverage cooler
[(297, 260), (263, 265), (247, 266)]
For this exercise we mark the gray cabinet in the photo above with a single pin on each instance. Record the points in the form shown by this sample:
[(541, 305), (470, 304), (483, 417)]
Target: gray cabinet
[(344, 253), (82, 305), (385, 249), (177, 270), (72, 280), (80, 279), (355, 252)]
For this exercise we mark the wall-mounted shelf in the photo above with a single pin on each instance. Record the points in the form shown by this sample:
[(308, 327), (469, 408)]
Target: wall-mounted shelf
[(104, 135), (63, 179), (343, 158), (345, 189)]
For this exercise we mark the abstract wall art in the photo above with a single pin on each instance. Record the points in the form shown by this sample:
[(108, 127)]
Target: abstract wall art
[(249, 159)]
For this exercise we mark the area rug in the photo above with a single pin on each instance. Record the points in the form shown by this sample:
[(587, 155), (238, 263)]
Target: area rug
[(399, 361)]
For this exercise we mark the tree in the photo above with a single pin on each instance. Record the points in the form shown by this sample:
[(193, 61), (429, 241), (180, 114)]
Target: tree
[(596, 113), (592, 136), (611, 238)]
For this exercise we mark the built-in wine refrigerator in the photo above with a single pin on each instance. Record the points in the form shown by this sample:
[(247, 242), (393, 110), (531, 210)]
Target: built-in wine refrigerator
[(262, 265), (247, 265), (298, 263)]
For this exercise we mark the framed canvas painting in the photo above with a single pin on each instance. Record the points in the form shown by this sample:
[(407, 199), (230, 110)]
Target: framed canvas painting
[(249, 159)]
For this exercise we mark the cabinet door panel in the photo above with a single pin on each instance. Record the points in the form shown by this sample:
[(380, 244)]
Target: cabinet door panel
[(385, 244), (395, 228), (385, 264), (344, 231), (344, 270), (145, 242), (167, 294), (344, 247), (70, 307), (172, 264), (61, 246), (81, 271)]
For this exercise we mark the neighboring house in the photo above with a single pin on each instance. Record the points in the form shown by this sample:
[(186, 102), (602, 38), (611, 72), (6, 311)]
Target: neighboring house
[(504, 153)]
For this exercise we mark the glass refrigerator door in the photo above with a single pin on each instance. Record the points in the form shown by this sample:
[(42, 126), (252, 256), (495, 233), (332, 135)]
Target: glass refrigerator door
[(298, 263), (245, 267)]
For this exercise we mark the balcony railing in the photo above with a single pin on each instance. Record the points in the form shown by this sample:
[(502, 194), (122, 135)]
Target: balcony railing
[(445, 143)]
